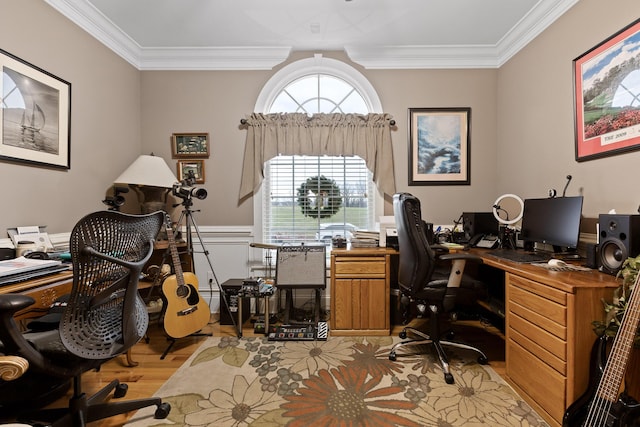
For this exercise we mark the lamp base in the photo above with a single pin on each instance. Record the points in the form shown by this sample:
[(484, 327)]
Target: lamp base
[(151, 199)]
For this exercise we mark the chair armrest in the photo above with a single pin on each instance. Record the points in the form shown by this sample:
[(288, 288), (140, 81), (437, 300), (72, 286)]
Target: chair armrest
[(12, 367), (129, 264), (15, 343), (461, 256), (458, 262), (12, 303)]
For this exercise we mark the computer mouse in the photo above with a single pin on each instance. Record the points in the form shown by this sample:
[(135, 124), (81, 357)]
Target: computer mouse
[(557, 263)]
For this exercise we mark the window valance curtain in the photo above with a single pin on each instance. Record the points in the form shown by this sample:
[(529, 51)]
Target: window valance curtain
[(269, 135)]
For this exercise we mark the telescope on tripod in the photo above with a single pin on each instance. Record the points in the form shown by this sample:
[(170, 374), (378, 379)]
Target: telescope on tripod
[(186, 191)]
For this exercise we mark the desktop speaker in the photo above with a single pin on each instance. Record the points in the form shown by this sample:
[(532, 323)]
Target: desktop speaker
[(619, 240), (592, 256), (478, 223)]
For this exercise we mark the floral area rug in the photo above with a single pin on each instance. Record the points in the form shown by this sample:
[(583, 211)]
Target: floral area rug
[(346, 381)]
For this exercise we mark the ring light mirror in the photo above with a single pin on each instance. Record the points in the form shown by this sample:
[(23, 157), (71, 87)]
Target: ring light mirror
[(509, 204)]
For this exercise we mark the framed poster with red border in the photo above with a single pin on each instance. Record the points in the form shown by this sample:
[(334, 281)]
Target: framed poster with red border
[(607, 96)]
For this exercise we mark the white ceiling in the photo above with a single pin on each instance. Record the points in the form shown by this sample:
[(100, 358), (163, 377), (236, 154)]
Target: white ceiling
[(259, 34)]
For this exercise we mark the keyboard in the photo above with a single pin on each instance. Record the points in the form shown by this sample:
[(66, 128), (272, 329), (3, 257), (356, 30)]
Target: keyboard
[(521, 257)]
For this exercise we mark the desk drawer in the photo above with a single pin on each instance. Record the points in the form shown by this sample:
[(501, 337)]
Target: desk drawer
[(543, 384), (545, 346), (369, 267), (543, 312), (544, 291)]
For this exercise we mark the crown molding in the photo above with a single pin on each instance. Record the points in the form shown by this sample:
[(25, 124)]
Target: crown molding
[(530, 26), (218, 58), (470, 56), (422, 57), (95, 23)]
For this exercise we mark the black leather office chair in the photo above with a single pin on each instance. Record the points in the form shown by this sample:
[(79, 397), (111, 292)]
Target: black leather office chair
[(438, 290), (104, 317)]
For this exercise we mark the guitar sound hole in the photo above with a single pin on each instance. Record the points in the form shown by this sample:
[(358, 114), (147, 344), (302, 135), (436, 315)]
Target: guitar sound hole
[(193, 297)]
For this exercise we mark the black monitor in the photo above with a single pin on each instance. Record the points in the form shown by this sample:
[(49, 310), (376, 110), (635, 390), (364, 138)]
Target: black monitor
[(552, 221)]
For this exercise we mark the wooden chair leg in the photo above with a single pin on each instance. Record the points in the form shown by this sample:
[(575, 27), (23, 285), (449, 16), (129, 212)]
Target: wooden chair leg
[(130, 362)]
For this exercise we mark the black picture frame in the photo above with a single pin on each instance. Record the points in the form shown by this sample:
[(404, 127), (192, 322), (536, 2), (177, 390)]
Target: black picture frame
[(35, 118)]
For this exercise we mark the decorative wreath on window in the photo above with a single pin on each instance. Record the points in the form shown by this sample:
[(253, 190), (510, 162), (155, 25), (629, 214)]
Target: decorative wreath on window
[(325, 201)]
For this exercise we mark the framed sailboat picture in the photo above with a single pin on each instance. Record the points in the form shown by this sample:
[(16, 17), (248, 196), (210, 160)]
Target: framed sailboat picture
[(35, 114)]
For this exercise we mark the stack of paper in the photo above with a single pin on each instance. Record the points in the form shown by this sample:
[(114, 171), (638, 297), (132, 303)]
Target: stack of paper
[(18, 269), (365, 239)]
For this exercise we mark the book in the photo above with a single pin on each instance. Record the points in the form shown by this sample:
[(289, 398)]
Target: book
[(10, 267)]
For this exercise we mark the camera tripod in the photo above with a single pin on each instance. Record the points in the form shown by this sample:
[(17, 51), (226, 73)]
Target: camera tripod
[(186, 218)]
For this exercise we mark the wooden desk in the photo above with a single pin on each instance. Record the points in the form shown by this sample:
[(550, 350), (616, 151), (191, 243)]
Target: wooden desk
[(361, 291), (45, 290), (548, 331)]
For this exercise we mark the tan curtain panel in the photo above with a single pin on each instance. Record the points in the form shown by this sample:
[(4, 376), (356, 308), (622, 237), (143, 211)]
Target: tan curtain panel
[(269, 135)]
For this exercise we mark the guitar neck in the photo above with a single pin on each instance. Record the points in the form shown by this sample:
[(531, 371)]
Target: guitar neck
[(175, 258), (618, 358)]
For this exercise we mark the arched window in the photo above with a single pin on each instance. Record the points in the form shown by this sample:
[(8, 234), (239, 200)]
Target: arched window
[(316, 85)]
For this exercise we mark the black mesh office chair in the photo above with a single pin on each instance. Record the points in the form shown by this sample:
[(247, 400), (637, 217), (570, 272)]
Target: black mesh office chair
[(104, 317), (423, 282)]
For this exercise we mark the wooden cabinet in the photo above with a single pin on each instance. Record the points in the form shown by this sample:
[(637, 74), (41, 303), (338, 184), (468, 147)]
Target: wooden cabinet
[(361, 291), (549, 335)]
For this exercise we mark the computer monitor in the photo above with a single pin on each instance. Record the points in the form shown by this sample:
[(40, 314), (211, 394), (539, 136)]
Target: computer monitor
[(552, 221)]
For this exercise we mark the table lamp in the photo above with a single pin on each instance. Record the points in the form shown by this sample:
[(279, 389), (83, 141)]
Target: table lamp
[(151, 179)]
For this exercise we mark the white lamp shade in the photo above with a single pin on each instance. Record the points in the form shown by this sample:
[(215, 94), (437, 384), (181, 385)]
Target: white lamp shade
[(148, 170)]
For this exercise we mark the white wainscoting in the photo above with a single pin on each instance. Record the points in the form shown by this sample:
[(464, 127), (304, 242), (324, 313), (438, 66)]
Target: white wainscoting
[(229, 256), (232, 258)]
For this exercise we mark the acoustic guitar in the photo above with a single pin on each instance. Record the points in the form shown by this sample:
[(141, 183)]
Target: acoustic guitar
[(186, 312), (603, 404)]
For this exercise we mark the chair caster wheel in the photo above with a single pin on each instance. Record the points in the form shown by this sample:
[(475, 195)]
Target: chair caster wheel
[(450, 335), (482, 360), (392, 357), (448, 378), (120, 390), (162, 411), (402, 334)]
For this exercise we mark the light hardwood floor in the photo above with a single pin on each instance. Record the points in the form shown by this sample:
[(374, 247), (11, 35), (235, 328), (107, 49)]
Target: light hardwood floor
[(151, 372)]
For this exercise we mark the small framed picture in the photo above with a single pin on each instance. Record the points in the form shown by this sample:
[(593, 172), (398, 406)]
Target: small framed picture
[(187, 145), (186, 167)]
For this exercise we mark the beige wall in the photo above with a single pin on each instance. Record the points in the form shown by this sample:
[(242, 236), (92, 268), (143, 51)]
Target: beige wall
[(105, 119), (521, 124), (215, 101), (535, 115)]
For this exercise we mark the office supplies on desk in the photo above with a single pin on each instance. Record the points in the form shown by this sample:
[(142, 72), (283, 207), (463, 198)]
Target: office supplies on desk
[(487, 241), (33, 233)]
